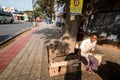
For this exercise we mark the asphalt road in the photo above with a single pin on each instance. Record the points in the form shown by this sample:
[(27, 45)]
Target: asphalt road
[(8, 31)]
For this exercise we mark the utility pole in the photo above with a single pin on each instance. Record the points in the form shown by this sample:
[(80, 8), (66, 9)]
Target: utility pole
[(33, 3)]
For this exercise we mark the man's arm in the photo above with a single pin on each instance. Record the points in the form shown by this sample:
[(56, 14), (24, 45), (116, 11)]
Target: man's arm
[(93, 47)]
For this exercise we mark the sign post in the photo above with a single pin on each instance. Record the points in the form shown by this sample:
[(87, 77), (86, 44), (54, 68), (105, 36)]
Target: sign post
[(34, 24)]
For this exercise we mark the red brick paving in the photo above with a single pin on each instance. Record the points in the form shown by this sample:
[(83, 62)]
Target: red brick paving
[(8, 54)]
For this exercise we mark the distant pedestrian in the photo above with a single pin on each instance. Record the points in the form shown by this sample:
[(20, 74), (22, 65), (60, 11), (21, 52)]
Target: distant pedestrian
[(86, 50), (30, 19), (53, 18), (38, 19)]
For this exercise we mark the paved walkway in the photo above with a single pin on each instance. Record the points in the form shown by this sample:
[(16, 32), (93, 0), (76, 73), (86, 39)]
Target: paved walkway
[(22, 59), (26, 58)]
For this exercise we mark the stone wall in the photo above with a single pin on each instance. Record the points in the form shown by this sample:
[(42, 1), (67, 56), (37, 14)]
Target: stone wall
[(106, 23)]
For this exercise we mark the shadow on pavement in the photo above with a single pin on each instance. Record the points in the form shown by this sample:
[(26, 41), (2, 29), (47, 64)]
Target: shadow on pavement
[(74, 72), (109, 71), (50, 33), (4, 38), (53, 33)]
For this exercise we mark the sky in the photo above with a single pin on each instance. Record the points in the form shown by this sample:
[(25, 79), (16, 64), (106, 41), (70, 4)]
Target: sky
[(21, 5)]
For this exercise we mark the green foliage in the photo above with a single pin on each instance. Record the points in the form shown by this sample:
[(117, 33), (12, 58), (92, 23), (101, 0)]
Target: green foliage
[(43, 7)]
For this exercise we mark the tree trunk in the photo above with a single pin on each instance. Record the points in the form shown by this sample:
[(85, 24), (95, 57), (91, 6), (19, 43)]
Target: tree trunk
[(67, 19), (71, 27)]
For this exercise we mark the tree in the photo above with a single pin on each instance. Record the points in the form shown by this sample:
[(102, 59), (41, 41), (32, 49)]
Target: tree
[(44, 7), (89, 7), (71, 27)]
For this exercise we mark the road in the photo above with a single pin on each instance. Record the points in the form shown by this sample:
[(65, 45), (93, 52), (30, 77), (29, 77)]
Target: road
[(8, 31)]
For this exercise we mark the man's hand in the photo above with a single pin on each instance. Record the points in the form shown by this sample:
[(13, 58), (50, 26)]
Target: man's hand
[(91, 51)]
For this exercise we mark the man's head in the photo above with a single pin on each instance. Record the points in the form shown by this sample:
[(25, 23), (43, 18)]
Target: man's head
[(93, 37)]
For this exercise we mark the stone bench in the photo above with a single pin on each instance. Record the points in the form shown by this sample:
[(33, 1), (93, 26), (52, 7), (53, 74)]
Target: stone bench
[(63, 67)]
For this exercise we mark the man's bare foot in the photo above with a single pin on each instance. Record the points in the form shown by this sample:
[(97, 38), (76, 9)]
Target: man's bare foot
[(93, 72), (90, 71)]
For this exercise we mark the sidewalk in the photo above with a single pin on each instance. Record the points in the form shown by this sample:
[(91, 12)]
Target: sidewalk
[(22, 59), (26, 58)]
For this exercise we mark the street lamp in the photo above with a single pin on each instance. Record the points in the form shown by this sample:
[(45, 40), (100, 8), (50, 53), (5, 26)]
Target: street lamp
[(33, 3)]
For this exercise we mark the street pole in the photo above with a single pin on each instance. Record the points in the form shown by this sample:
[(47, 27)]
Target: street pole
[(33, 14)]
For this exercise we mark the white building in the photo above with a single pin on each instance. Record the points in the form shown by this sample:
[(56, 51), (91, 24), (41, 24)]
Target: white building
[(10, 9), (16, 13)]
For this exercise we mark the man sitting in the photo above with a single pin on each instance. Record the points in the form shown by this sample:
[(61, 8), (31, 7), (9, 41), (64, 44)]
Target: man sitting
[(86, 53)]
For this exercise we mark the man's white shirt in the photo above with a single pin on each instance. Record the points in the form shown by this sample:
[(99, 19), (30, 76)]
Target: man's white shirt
[(86, 46)]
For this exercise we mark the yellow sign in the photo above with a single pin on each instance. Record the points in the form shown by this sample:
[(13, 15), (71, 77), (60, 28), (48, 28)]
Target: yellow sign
[(76, 6)]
